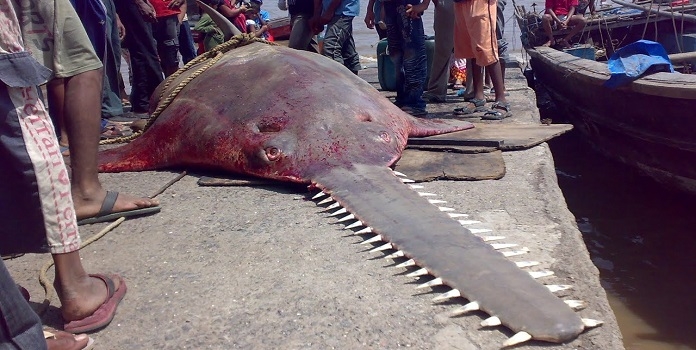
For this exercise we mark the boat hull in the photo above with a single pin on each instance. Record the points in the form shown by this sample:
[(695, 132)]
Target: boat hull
[(648, 124)]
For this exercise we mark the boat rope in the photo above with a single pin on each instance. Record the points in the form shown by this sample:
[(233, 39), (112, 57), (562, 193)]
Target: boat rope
[(647, 20), (208, 59), (674, 26)]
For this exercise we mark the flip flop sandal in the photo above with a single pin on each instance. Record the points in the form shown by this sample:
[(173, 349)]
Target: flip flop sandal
[(114, 130), (106, 312), (498, 111), (478, 106)]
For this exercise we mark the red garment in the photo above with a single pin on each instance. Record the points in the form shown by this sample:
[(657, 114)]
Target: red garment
[(561, 7), (162, 9)]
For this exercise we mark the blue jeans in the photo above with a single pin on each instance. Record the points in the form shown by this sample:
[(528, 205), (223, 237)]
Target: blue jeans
[(187, 49), (406, 43), (20, 327)]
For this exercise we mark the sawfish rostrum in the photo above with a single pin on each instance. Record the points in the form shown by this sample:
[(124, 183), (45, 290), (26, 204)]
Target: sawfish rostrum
[(306, 119)]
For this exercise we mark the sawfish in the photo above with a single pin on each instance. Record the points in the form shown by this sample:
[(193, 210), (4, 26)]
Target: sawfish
[(294, 116)]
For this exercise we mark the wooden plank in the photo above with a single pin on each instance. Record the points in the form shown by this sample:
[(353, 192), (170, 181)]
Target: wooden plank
[(484, 137)]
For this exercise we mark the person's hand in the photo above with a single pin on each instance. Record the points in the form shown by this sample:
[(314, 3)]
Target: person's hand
[(175, 4), (146, 10), (564, 25), (121, 29), (415, 11), (243, 8), (370, 19)]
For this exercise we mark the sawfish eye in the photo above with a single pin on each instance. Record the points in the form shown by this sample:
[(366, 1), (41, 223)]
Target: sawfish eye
[(272, 153)]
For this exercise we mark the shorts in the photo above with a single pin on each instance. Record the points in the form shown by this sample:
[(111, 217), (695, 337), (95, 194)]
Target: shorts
[(474, 31), (36, 209), (54, 35)]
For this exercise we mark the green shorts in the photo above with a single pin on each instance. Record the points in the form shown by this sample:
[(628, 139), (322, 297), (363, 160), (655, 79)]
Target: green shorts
[(54, 35)]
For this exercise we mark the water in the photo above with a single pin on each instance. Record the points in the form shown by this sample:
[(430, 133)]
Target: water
[(640, 237)]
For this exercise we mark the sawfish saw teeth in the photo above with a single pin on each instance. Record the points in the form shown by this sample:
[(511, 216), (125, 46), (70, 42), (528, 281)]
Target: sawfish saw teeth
[(333, 206), (435, 281), (407, 263), (470, 307), (491, 322), (321, 194), (498, 246), (540, 274), (396, 254), (553, 288), (576, 305), (454, 293), (339, 212), (418, 273), (426, 194), (346, 218), (358, 223), (519, 337), (377, 238), (366, 230), (326, 200)]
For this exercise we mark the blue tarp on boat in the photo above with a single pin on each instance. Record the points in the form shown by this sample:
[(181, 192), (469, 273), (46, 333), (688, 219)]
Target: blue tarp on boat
[(635, 60)]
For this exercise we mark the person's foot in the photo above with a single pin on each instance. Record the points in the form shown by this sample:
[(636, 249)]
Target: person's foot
[(432, 98), (59, 340), (89, 205), (81, 299), (563, 43)]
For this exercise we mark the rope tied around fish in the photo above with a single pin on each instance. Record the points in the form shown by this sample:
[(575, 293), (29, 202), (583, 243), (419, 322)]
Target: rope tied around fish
[(208, 59)]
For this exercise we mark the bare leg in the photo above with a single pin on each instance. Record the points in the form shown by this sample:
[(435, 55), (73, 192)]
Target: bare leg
[(478, 80), (56, 100), (577, 23), (82, 123), (80, 295), (546, 22), (498, 81), (469, 83)]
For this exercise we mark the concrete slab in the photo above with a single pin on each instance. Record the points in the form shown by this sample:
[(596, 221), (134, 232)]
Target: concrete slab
[(265, 268)]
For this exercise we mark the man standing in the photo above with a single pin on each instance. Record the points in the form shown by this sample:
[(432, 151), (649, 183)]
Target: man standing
[(406, 43), (475, 38), (338, 16), (443, 25)]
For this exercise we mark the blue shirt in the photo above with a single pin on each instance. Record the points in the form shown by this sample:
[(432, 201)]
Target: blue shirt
[(349, 8)]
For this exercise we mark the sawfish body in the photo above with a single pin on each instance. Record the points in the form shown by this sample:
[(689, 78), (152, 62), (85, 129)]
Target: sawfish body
[(276, 113), (290, 115)]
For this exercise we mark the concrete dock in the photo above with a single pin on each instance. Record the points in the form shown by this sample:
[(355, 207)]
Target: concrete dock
[(265, 268)]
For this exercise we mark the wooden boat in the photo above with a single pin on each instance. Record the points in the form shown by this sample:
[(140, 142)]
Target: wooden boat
[(649, 124), (280, 28)]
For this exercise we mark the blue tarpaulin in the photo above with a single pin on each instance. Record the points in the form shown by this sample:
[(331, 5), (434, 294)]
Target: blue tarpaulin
[(635, 60)]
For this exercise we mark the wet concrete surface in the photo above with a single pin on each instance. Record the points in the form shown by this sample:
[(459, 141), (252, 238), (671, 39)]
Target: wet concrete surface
[(266, 268)]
